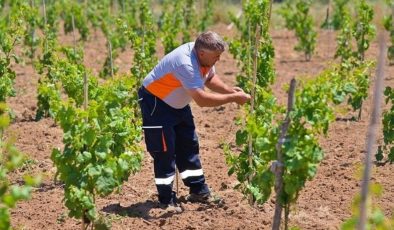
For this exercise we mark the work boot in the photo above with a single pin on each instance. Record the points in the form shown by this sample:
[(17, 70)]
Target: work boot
[(171, 208), (205, 198)]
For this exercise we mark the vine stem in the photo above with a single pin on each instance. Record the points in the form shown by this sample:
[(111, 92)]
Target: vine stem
[(255, 60), (371, 136), (85, 107), (45, 12), (33, 34), (362, 53), (269, 14), (328, 13), (230, 26), (85, 91), (74, 39), (45, 24), (329, 28), (392, 17), (143, 45), (83, 222), (278, 166), (115, 7), (110, 57)]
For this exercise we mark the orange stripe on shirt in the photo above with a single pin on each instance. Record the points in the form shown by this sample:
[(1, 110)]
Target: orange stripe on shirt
[(164, 86), (204, 70)]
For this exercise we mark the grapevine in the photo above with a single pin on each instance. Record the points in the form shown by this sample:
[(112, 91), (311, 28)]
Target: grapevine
[(388, 128), (11, 32), (101, 148), (143, 41), (340, 10), (10, 160), (364, 31), (172, 20), (298, 19), (206, 18), (389, 26), (30, 37), (75, 10), (361, 32), (311, 117)]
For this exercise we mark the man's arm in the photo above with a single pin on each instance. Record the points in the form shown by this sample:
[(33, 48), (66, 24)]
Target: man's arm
[(207, 99), (217, 85)]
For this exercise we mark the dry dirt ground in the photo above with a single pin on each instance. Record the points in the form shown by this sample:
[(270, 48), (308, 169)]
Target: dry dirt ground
[(324, 203)]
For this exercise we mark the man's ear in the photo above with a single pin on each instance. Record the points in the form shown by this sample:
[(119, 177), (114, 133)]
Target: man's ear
[(200, 53)]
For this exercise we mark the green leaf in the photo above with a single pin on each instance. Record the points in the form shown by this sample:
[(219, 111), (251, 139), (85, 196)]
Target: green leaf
[(84, 157), (349, 88), (16, 58), (32, 180), (241, 137), (123, 165), (105, 185), (9, 200), (391, 154), (101, 155), (339, 97), (377, 217), (231, 171), (5, 218), (90, 136), (94, 171), (379, 155)]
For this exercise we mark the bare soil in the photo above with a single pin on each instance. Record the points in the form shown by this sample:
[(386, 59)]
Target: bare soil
[(324, 203)]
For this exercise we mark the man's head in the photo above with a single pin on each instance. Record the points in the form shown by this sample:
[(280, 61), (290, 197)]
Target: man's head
[(209, 46)]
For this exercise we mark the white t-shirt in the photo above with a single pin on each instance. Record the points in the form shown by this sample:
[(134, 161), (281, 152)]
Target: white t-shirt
[(177, 71)]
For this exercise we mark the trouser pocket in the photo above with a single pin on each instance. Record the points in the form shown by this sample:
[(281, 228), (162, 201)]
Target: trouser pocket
[(155, 139)]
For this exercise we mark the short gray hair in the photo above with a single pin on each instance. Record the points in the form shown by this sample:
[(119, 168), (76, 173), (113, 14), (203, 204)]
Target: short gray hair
[(211, 41)]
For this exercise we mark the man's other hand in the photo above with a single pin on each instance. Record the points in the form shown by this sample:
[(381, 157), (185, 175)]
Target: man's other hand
[(241, 97), (237, 89)]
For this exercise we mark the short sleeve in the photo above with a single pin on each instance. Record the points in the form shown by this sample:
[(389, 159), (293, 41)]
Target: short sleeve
[(189, 78)]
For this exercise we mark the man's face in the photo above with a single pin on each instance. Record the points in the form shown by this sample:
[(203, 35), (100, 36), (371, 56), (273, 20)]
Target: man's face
[(208, 58)]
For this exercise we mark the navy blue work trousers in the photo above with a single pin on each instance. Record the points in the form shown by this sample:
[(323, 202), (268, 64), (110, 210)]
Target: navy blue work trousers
[(171, 139)]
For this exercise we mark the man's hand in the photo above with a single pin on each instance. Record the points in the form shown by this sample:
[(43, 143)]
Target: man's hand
[(241, 97)]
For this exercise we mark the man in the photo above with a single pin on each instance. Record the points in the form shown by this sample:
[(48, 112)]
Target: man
[(168, 124)]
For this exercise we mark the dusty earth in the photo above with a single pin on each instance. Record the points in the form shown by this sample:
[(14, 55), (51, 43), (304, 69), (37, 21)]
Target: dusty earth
[(324, 203)]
